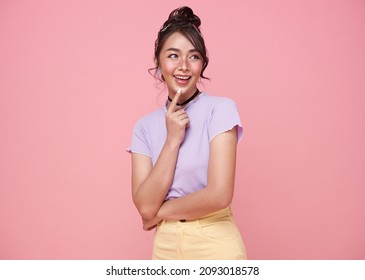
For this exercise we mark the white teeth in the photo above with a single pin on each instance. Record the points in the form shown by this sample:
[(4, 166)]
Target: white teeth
[(183, 78)]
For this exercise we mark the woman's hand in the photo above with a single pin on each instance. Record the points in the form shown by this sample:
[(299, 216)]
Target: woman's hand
[(151, 183), (177, 121)]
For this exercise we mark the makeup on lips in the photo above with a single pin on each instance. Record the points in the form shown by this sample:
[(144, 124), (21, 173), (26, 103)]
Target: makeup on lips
[(182, 79)]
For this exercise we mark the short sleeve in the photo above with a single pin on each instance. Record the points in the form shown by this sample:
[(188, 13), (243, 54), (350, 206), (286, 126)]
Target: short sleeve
[(224, 117), (139, 142)]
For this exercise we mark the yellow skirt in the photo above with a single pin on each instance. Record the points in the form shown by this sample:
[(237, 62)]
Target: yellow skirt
[(212, 237)]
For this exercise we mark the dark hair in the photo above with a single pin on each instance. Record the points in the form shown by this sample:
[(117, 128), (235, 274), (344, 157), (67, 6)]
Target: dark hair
[(182, 20)]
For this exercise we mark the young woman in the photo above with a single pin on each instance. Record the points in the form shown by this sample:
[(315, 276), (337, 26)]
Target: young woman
[(184, 155)]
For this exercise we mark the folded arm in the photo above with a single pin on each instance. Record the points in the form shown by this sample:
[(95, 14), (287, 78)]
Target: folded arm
[(219, 191), (151, 184)]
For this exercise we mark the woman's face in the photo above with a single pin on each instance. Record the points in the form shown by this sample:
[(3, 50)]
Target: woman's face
[(181, 65)]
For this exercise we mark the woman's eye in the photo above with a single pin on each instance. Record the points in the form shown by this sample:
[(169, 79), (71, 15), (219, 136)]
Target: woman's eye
[(172, 55), (195, 57)]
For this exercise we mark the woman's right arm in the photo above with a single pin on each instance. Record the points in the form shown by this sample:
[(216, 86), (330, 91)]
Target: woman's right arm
[(150, 184)]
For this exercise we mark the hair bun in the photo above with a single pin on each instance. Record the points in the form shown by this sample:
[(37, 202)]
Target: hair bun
[(183, 15)]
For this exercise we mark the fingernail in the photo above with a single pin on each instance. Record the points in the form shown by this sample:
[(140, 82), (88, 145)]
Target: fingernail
[(179, 90)]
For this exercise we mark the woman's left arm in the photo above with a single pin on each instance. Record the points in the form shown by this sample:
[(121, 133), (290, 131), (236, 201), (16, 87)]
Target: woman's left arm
[(219, 191)]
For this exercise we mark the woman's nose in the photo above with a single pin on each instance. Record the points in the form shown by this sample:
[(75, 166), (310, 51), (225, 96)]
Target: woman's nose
[(183, 66)]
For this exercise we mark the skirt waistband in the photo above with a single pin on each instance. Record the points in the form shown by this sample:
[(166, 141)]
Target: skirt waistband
[(214, 216)]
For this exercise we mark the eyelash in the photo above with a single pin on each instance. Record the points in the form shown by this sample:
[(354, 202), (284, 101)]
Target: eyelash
[(173, 55)]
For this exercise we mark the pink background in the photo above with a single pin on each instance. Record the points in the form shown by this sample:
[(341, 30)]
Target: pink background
[(74, 80)]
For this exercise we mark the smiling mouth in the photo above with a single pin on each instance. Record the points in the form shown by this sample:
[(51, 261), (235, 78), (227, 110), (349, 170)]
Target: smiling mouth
[(182, 78)]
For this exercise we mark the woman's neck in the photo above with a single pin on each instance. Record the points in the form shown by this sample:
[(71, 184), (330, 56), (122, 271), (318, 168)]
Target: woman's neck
[(186, 101)]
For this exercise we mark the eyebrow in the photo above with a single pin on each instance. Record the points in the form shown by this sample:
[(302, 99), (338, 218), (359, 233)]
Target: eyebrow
[(177, 50)]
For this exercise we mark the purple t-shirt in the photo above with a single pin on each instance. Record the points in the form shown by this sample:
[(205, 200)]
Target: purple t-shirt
[(209, 116)]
